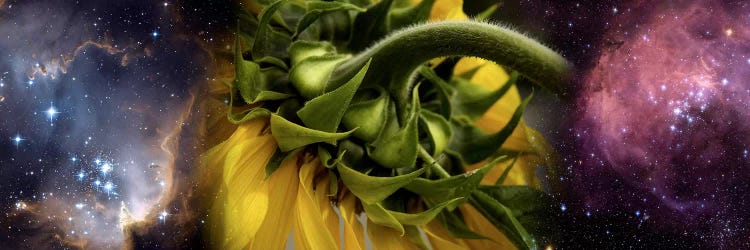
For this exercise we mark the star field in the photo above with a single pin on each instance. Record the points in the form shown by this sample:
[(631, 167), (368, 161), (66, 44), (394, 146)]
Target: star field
[(89, 92)]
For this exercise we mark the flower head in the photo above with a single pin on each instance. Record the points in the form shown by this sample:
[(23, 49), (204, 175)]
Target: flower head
[(355, 113)]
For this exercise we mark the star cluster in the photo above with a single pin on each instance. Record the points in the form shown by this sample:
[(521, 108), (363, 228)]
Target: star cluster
[(90, 92), (663, 126)]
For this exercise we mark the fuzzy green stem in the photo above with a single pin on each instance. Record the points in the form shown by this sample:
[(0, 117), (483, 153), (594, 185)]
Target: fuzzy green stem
[(434, 165), (395, 58)]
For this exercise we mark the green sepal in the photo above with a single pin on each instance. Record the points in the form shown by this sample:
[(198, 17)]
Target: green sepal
[(247, 115), (445, 90), (379, 215), (317, 8), (276, 62), (372, 189), (325, 112), (426, 216), (438, 129), (325, 157), (473, 100), (247, 24), (534, 209), (369, 116), (403, 17), (277, 158), (487, 13), (350, 153), (303, 49), (290, 135), (473, 145), (310, 76), (442, 190), (370, 26), (455, 225), (269, 42), (504, 176), (413, 235), (249, 80), (502, 217), (333, 184), (399, 149)]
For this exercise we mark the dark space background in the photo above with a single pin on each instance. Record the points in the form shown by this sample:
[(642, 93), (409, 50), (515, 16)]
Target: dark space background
[(91, 90)]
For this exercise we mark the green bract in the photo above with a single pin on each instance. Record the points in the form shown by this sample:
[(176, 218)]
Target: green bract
[(349, 81)]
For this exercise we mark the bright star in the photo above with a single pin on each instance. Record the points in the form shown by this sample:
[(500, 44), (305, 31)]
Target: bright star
[(563, 207), (51, 113), (17, 140), (163, 215), (106, 167), (154, 34), (30, 82), (108, 186)]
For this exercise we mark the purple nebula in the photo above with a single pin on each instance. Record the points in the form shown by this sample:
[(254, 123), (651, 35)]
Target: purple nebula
[(664, 119)]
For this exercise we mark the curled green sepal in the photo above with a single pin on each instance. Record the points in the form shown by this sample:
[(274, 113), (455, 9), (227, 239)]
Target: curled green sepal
[(396, 220), (372, 189), (533, 209), (473, 145), (290, 135), (453, 187), (310, 76), (438, 129), (455, 224), (426, 216), (502, 217), (303, 49), (379, 215), (269, 42), (324, 112), (247, 115), (399, 149), (317, 8), (326, 157), (473, 100), (369, 116), (403, 17), (249, 80)]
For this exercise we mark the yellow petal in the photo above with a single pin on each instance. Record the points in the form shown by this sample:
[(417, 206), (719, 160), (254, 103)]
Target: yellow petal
[(385, 238), (243, 200), (282, 187), (441, 239), (322, 189), (310, 231), (479, 224), (447, 10), (354, 237)]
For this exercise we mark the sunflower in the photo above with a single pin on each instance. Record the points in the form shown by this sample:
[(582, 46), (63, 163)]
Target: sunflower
[(352, 123)]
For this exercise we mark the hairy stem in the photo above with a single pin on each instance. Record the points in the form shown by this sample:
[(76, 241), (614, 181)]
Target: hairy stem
[(395, 58)]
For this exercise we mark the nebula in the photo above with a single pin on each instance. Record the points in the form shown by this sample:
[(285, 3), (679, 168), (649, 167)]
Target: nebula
[(93, 102), (663, 129)]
